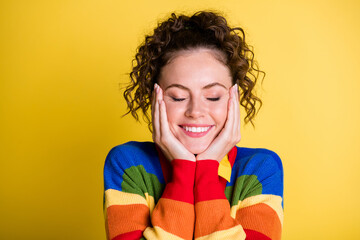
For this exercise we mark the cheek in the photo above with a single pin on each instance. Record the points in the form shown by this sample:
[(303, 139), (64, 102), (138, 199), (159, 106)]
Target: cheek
[(219, 113), (174, 112)]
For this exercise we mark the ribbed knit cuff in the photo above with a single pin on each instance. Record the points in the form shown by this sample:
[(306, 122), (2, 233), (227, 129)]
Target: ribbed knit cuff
[(207, 182), (181, 186)]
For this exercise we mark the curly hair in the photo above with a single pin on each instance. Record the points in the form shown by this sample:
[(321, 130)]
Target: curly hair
[(201, 30)]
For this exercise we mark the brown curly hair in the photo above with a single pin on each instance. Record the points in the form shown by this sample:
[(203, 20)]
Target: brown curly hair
[(201, 30)]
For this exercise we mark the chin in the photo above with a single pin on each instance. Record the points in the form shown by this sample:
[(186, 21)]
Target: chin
[(196, 149)]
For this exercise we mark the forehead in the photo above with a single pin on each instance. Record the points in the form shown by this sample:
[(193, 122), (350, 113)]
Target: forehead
[(194, 69)]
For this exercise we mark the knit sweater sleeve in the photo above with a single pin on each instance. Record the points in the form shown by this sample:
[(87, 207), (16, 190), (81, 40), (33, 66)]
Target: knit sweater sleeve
[(254, 208), (131, 208)]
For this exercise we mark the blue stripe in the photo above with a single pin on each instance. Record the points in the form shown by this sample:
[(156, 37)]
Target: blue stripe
[(128, 155), (264, 164)]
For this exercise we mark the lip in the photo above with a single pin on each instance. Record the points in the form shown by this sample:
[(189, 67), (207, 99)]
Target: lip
[(196, 134), (196, 125)]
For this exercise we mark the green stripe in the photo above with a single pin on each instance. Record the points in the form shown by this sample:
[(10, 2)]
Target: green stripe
[(245, 186), (137, 180)]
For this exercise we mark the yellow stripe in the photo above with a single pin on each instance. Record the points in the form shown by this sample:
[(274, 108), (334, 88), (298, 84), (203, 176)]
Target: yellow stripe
[(115, 197), (224, 169), (271, 200), (150, 202), (159, 234), (236, 232)]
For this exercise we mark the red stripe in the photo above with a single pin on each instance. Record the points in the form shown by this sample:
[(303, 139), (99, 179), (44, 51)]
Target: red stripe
[(165, 165), (207, 182), (181, 187), (134, 235), (232, 155), (254, 235)]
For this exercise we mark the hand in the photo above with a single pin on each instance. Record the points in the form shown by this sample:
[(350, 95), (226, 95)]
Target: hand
[(162, 135), (229, 135)]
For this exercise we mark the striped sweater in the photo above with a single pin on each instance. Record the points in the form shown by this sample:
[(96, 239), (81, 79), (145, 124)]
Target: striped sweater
[(147, 197)]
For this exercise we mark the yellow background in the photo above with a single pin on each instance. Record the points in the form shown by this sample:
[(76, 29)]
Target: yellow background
[(61, 63)]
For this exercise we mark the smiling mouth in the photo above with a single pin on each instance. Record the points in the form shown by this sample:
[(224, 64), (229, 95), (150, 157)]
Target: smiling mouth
[(196, 129)]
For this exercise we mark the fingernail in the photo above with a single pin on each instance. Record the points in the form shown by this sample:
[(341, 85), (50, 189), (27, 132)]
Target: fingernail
[(157, 88)]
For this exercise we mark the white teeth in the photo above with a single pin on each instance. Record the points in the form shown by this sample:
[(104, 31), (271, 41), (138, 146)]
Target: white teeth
[(196, 129)]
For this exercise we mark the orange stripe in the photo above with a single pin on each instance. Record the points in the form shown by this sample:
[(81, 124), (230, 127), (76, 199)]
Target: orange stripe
[(273, 201), (123, 219), (262, 218), (210, 217), (174, 217)]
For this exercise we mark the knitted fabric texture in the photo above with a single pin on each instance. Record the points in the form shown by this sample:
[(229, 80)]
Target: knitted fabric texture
[(147, 197)]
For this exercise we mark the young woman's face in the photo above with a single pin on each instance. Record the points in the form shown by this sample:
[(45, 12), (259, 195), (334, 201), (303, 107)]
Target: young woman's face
[(196, 92)]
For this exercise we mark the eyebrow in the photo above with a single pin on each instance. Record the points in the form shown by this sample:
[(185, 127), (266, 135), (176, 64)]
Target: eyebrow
[(205, 87)]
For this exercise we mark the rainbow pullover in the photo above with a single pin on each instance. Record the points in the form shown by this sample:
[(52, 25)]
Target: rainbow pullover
[(147, 197)]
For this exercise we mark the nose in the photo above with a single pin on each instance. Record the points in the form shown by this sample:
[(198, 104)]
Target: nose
[(195, 108)]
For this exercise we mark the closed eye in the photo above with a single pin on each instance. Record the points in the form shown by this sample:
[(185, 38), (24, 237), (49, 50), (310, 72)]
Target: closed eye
[(178, 99), (213, 99)]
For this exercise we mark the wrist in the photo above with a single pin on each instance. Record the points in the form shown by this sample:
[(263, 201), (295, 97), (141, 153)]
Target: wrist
[(181, 185), (207, 182)]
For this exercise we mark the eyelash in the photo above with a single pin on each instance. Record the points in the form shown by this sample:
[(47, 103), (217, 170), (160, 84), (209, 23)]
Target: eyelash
[(178, 99), (214, 99), (182, 99)]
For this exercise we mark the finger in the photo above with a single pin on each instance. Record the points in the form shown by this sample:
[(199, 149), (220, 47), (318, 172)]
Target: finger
[(153, 96), (153, 107), (238, 117), (164, 124), (236, 109), (230, 121), (156, 119), (233, 127), (227, 130)]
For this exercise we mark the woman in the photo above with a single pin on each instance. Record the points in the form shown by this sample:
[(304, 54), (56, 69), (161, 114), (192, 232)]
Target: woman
[(193, 181)]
